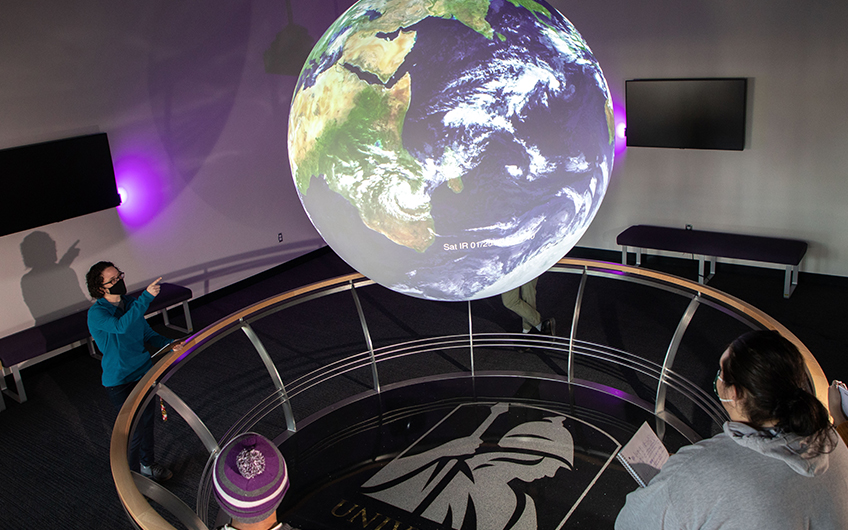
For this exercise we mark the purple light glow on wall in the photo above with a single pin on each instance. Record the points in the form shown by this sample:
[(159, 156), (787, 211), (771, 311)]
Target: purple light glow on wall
[(140, 187)]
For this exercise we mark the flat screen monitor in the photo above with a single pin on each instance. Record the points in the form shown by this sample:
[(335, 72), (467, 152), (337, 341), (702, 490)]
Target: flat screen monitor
[(686, 113), (52, 181)]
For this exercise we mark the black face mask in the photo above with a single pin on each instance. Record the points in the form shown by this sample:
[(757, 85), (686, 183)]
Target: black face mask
[(119, 288)]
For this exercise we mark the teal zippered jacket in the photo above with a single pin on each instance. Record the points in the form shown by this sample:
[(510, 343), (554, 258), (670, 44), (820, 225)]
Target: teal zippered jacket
[(120, 334)]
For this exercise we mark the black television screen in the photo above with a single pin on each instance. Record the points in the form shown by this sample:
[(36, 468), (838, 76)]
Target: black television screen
[(686, 113), (53, 181)]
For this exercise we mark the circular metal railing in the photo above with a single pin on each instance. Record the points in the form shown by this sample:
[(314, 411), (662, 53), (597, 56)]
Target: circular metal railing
[(665, 372)]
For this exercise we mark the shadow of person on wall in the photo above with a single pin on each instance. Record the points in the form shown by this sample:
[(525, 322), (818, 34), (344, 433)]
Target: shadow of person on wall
[(51, 288)]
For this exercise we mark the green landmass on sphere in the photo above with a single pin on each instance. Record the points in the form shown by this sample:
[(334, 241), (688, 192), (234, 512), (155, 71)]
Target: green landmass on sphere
[(385, 182), (378, 56), (346, 114), (400, 14), (537, 9), (471, 13), (610, 115), (532, 6)]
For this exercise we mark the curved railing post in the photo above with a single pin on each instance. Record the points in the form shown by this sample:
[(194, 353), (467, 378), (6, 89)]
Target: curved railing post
[(668, 361), (367, 334), (187, 414), (273, 372), (578, 303), (172, 503)]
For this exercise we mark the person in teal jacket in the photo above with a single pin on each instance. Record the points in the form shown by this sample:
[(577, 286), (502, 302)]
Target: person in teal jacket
[(117, 325)]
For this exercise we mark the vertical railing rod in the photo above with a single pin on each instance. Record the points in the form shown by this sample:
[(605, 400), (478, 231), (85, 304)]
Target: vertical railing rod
[(273, 372), (471, 339), (577, 305), (367, 334)]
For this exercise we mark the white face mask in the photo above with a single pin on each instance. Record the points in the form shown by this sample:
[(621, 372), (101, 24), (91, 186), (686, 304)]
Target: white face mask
[(715, 387)]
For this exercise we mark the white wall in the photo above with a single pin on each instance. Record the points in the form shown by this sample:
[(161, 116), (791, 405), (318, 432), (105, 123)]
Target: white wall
[(182, 91), (790, 180)]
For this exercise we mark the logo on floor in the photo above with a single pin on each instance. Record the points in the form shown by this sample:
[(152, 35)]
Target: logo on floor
[(481, 466)]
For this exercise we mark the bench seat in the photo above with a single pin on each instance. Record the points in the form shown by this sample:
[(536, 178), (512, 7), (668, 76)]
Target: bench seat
[(711, 245), (39, 343)]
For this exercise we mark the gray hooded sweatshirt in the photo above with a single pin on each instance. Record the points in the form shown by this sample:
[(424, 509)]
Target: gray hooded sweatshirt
[(746, 479)]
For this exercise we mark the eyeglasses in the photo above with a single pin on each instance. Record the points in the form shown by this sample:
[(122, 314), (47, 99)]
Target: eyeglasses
[(114, 280)]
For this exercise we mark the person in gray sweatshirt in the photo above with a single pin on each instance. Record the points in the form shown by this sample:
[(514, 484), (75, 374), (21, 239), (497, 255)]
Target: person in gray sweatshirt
[(777, 465)]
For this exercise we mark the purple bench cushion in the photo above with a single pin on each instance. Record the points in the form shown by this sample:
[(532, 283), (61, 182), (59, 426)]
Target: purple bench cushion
[(50, 336), (719, 244), (169, 295), (47, 337)]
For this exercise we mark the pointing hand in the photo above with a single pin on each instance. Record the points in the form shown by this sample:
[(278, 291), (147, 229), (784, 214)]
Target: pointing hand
[(154, 287)]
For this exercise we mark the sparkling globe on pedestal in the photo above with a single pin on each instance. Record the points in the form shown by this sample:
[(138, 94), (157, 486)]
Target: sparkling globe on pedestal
[(451, 149)]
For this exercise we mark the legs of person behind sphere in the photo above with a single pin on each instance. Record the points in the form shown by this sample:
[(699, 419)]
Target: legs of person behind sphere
[(528, 295), (522, 301)]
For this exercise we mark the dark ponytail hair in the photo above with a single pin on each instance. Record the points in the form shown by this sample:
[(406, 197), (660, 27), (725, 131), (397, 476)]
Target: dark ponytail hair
[(770, 372)]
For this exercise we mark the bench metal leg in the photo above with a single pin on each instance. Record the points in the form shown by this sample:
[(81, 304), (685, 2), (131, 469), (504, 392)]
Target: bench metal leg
[(790, 280), (703, 278), (92, 349), (638, 252), (20, 395), (189, 327)]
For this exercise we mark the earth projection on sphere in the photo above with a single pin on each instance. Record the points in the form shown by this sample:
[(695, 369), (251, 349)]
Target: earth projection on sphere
[(451, 149)]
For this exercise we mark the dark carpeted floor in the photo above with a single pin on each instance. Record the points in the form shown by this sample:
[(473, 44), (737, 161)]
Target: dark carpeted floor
[(54, 462)]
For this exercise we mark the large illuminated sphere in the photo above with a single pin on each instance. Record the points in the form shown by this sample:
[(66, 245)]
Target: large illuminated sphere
[(451, 149)]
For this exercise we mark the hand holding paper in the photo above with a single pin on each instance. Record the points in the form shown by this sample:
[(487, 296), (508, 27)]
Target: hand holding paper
[(644, 455)]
